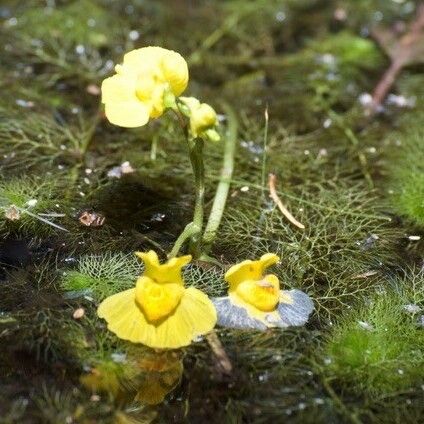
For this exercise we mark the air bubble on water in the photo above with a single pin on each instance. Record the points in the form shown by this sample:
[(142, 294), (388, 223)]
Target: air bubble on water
[(12, 22), (119, 357), (280, 16), (378, 16), (134, 35), (327, 123), (80, 49), (157, 217)]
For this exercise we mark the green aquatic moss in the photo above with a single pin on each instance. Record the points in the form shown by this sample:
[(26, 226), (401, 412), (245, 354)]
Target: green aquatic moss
[(406, 169), (81, 21), (378, 347)]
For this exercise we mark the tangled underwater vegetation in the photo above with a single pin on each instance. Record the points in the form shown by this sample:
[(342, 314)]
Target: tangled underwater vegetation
[(78, 196)]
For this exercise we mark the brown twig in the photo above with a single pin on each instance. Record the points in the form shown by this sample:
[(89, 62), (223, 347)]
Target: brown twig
[(223, 362), (274, 196), (400, 58)]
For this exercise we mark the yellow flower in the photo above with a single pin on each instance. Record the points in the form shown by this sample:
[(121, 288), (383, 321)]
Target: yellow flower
[(202, 116), (255, 300), (138, 90), (159, 312)]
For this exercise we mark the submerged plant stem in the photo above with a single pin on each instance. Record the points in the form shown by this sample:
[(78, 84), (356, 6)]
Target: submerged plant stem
[(224, 183), (352, 418)]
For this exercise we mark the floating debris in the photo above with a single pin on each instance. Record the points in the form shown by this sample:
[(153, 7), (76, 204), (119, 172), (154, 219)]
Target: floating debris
[(119, 358), (119, 171), (412, 308), (91, 219), (401, 101), (365, 275), (366, 325), (31, 203), (24, 103), (12, 213), (78, 313), (93, 89), (279, 203)]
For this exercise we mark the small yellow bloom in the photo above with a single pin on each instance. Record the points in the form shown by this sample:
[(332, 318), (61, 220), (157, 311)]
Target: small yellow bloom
[(138, 90), (159, 312), (202, 116), (255, 300)]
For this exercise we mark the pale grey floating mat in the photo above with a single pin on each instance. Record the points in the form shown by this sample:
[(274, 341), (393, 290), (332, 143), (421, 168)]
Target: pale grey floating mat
[(291, 314)]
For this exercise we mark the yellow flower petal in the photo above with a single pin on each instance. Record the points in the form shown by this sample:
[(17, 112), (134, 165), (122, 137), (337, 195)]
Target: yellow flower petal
[(202, 119), (119, 88), (169, 272), (194, 316), (137, 92), (164, 65), (175, 71), (250, 270), (157, 300), (142, 60), (202, 116), (151, 261), (198, 311), (128, 114), (263, 294)]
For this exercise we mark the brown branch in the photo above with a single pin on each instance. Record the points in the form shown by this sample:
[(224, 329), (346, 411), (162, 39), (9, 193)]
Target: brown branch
[(401, 57), (223, 363)]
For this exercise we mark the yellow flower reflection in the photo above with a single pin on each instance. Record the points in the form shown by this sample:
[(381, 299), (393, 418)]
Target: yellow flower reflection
[(255, 300), (161, 372), (202, 117), (159, 312), (143, 375), (138, 90)]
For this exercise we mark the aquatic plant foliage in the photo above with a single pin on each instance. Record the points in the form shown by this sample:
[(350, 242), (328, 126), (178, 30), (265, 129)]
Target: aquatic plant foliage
[(159, 312), (406, 169), (378, 347), (101, 275)]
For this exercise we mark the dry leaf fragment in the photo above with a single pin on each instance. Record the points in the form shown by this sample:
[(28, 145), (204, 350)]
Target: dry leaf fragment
[(12, 213), (78, 313)]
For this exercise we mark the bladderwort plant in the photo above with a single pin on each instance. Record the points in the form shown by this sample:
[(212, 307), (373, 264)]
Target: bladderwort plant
[(150, 82)]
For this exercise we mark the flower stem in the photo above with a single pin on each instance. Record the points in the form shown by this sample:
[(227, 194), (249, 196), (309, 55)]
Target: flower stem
[(197, 164), (222, 190), (193, 230), (189, 231)]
